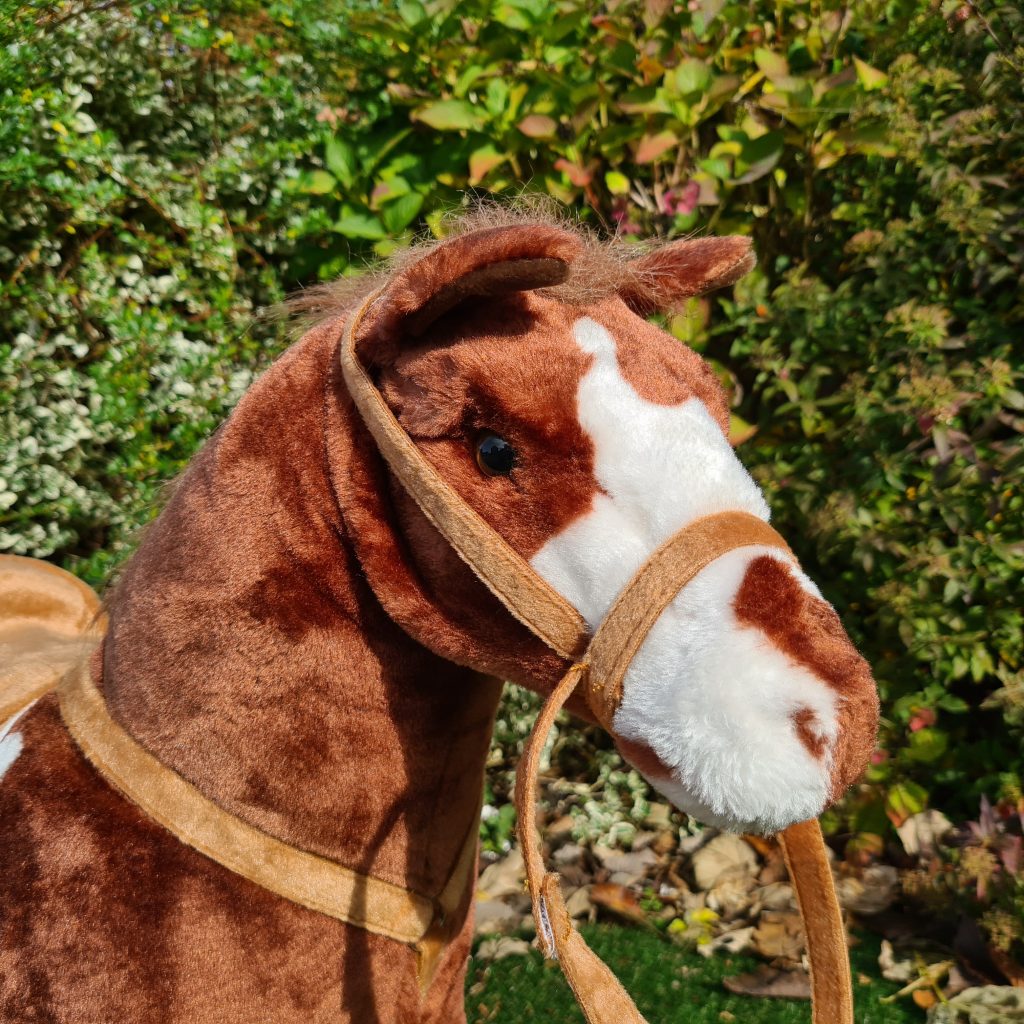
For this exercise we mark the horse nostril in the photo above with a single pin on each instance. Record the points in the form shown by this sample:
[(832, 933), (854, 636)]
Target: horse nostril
[(808, 731)]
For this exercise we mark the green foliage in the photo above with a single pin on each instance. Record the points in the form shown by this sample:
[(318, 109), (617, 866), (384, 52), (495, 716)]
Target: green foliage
[(146, 216), (660, 119), (669, 984), (170, 168), (606, 800), (980, 873), (888, 390)]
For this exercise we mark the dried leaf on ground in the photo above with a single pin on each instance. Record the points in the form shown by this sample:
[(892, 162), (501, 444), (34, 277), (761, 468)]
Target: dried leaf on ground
[(494, 916), (921, 833), (990, 1004), (732, 895), (571, 853), (659, 816), (725, 854), (618, 900), (498, 949), (780, 935), (774, 869), (893, 969), (775, 896), (503, 878), (770, 983), (627, 868), (737, 941), (1014, 971), (579, 903), (873, 891), (764, 846)]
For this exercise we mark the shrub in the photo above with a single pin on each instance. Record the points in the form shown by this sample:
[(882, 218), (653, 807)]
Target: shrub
[(145, 218), (161, 189), (888, 390)]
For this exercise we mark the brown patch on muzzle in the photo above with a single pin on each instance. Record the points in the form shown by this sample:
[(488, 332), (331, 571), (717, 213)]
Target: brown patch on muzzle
[(807, 630)]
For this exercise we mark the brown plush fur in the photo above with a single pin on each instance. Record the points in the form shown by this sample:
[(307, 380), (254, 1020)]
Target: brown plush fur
[(297, 641)]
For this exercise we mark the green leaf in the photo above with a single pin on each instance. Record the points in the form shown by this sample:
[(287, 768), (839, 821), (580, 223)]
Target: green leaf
[(387, 191), (482, 161), (538, 126), (870, 78), (497, 96), (774, 65), (905, 799), (468, 79), (927, 745), (341, 161), (651, 147), (759, 156), (716, 167), (616, 183), (740, 430), (319, 183), (449, 116), (435, 221), (402, 212), (692, 76), (412, 12), (353, 224), (647, 99)]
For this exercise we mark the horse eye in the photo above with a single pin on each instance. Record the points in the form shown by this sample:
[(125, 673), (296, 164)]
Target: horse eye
[(494, 455)]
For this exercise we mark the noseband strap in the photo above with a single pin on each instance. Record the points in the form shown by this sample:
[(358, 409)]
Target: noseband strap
[(641, 602), (601, 672), (602, 669)]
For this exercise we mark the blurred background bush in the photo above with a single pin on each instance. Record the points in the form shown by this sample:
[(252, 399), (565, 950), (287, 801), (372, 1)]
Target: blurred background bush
[(170, 168)]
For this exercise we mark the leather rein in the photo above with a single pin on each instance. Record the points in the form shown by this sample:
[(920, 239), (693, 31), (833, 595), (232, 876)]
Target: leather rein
[(598, 667)]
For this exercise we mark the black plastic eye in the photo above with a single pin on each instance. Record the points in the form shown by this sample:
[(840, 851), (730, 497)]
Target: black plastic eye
[(494, 455)]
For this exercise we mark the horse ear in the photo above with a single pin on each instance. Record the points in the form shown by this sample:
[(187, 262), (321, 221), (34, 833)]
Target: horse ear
[(662, 278), (488, 262)]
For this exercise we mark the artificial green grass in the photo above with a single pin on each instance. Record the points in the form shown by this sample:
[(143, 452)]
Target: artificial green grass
[(670, 985)]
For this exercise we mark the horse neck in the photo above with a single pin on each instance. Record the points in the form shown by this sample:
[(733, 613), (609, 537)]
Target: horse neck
[(248, 654)]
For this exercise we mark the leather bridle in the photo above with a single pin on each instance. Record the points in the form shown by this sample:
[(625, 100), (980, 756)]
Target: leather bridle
[(599, 664)]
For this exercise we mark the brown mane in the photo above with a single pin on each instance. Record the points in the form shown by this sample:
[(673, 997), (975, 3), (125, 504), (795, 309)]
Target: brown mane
[(604, 267)]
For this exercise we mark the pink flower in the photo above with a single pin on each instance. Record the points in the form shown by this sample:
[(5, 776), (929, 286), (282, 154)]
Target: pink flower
[(681, 200), (922, 719), (331, 115), (879, 756), (620, 214)]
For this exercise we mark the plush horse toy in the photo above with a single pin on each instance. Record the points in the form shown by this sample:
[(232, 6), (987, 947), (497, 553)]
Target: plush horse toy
[(258, 799)]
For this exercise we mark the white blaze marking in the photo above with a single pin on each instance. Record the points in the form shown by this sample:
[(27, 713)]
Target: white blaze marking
[(10, 741), (712, 698)]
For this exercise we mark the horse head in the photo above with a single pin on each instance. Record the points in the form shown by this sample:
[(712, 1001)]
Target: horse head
[(518, 359)]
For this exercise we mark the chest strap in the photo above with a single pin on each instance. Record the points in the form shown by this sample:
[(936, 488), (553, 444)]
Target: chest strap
[(299, 876)]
